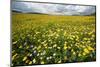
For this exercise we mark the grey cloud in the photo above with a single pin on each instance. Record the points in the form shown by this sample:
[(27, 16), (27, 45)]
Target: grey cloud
[(57, 9)]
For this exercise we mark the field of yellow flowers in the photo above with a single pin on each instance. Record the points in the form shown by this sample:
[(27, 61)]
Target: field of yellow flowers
[(49, 39)]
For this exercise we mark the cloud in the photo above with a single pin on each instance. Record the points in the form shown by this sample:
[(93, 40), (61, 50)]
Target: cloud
[(58, 9)]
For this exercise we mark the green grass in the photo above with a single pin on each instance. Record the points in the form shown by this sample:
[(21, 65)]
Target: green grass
[(47, 39)]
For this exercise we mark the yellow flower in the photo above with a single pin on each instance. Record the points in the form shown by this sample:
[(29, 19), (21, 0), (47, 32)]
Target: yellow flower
[(14, 56), (20, 46), (28, 54), (38, 54), (34, 48), (72, 50), (59, 61), (30, 62), (74, 53), (57, 35), (61, 29), (26, 61), (84, 53), (86, 50), (46, 47), (42, 62), (58, 30), (39, 40), (13, 51), (69, 47), (64, 33), (88, 41), (79, 54), (73, 36), (65, 58), (89, 33), (58, 47), (50, 31), (85, 39), (37, 32), (41, 57), (27, 47), (83, 42), (34, 60), (90, 48), (65, 46), (15, 42), (93, 35), (45, 44), (65, 42), (77, 38), (55, 45), (24, 58), (38, 47), (54, 54)]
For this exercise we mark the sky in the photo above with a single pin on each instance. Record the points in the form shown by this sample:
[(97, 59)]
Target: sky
[(53, 9)]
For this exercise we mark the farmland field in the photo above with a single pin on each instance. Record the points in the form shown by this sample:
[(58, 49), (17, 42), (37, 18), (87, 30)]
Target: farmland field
[(49, 39)]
